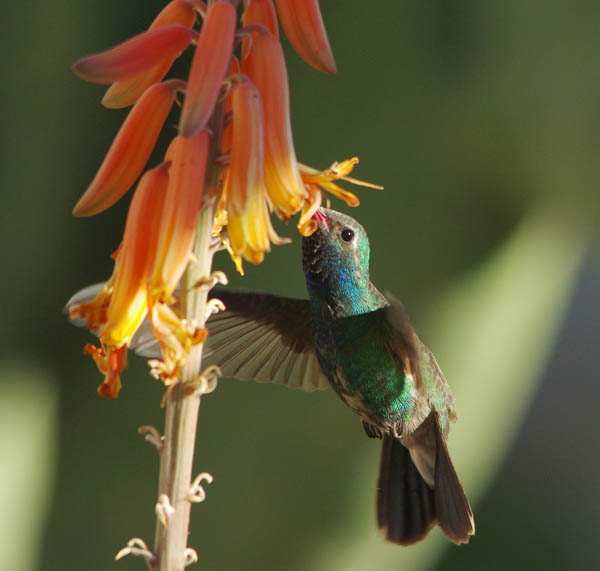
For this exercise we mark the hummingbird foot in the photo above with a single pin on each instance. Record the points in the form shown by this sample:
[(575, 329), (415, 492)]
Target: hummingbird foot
[(152, 435), (197, 493), (164, 510), (136, 546)]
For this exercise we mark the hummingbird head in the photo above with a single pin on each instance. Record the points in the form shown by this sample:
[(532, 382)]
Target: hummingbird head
[(335, 259)]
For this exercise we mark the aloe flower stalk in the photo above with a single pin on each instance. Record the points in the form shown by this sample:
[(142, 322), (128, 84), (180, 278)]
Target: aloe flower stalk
[(229, 167)]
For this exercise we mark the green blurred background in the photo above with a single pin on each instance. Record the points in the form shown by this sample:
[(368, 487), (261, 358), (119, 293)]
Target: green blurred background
[(482, 121)]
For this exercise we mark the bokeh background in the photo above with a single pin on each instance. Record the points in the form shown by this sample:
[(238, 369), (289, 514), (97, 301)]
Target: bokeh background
[(482, 121)]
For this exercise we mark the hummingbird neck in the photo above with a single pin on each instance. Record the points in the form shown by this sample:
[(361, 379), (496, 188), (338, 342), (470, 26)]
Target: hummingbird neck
[(346, 300)]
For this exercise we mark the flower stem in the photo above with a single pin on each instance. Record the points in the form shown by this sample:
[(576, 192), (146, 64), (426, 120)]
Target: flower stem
[(182, 414)]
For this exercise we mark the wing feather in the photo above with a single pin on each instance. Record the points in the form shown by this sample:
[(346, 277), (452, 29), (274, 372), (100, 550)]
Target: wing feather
[(261, 337)]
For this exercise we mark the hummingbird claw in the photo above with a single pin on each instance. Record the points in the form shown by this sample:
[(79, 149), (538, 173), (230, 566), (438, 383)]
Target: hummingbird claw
[(138, 547), (152, 435), (197, 493), (190, 556), (164, 510)]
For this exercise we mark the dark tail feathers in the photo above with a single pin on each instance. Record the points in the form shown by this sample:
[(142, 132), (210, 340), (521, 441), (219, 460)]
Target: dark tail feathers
[(407, 508)]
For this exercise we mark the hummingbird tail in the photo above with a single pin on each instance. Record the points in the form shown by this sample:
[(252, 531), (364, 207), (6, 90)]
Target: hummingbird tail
[(453, 510), (405, 503), (408, 507)]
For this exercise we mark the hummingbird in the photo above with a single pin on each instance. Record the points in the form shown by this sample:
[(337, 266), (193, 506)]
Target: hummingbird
[(350, 337)]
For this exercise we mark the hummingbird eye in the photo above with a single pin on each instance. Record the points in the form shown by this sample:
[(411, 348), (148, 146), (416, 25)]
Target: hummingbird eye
[(347, 235)]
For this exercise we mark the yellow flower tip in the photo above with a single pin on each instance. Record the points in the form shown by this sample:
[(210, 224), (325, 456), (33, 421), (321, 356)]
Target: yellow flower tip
[(305, 30), (128, 303), (255, 257), (210, 65), (308, 227), (130, 150), (337, 171), (265, 66), (237, 260), (306, 224), (111, 362)]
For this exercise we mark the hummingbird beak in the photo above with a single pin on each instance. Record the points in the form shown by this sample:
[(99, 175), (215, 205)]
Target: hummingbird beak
[(320, 218)]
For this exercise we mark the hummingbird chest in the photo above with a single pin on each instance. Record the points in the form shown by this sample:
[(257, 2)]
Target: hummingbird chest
[(363, 372)]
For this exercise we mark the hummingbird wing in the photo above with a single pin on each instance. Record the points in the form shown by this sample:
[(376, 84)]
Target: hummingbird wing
[(265, 338), (261, 337), (418, 360)]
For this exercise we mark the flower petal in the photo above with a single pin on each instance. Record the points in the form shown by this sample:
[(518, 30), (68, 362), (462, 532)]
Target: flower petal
[(304, 29), (245, 175), (180, 212), (209, 67), (261, 12), (136, 55), (111, 362), (130, 150), (127, 91), (265, 65), (128, 304)]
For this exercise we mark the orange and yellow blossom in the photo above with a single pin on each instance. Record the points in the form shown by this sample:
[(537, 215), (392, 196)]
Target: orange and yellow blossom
[(177, 228), (249, 223), (265, 66), (258, 169), (119, 308)]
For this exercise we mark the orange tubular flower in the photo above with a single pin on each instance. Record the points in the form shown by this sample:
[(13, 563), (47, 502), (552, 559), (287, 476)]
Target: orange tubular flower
[(137, 55), (180, 212), (174, 248), (127, 91), (304, 29), (209, 67), (122, 304), (250, 229), (135, 260), (130, 150), (261, 12), (265, 66)]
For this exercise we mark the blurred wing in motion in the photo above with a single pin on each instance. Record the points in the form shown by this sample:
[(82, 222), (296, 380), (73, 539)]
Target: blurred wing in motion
[(260, 337)]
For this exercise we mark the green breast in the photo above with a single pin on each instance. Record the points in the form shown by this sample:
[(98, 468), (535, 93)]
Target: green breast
[(368, 368)]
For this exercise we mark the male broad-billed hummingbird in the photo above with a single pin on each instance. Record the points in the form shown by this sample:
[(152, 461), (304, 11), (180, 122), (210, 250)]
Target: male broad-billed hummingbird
[(349, 336)]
